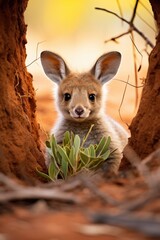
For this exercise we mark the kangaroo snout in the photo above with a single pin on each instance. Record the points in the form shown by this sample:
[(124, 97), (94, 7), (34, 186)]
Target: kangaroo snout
[(79, 111)]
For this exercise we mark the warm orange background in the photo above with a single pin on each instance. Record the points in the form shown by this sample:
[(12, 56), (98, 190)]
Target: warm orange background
[(76, 31)]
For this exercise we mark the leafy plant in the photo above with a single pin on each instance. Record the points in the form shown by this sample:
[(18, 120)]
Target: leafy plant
[(71, 156)]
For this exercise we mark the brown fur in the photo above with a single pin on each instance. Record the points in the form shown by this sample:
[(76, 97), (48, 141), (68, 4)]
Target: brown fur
[(80, 111)]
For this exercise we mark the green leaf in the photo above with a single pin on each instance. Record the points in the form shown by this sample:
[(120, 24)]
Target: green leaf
[(86, 137), (106, 154), (67, 150), (77, 142), (84, 158), (42, 174), (53, 144), (86, 151), (106, 145), (72, 158), (92, 151), (66, 139), (95, 163), (53, 170), (62, 153), (64, 168), (100, 146)]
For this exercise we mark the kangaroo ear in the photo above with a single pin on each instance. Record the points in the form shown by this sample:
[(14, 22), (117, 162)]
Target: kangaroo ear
[(54, 66), (106, 66)]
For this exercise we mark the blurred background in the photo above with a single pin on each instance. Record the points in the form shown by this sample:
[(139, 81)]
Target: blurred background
[(77, 31)]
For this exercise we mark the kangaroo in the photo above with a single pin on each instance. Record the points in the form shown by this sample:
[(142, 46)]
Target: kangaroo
[(80, 103)]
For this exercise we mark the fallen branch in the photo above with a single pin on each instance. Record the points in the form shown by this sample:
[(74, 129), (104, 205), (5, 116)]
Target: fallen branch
[(147, 225), (12, 191), (139, 202), (37, 193)]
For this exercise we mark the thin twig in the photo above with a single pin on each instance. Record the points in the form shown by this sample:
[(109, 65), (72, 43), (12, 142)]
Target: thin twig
[(38, 47), (132, 27), (134, 13), (139, 68), (114, 39), (119, 110), (135, 70), (129, 84)]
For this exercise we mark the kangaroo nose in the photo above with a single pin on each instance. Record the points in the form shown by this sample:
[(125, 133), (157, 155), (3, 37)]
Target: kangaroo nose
[(79, 111)]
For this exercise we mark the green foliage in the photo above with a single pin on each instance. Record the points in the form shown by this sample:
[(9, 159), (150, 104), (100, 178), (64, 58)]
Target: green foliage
[(71, 157)]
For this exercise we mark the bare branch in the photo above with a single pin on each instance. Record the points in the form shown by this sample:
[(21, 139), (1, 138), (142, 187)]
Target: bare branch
[(119, 110), (129, 84), (131, 26), (114, 39), (113, 13), (134, 12), (19, 192), (135, 69)]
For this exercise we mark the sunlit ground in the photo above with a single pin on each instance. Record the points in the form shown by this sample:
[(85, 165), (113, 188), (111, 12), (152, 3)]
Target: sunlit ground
[(76, 31)]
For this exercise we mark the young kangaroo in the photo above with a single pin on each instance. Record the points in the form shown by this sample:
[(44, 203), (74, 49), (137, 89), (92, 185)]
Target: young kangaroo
[(80, 102)]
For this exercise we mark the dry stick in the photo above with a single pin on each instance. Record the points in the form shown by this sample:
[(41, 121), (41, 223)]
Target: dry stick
[(20, 192), (146, 225), (114, 39), (129, 84), (152, 179), (131, 28), (134, 12), (135, 69), (68, 186), (103, 196), (135, 160), (139, 202), (139, 68), (119, 110), (130, 31), (38, 193), (8, 182), (38, 47)]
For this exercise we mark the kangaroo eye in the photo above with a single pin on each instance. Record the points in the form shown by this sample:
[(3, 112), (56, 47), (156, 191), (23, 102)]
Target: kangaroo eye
[(67, 96), (92, 97)]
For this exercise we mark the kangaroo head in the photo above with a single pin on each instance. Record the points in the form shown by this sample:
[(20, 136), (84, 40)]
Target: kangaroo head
[(80, 94)]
